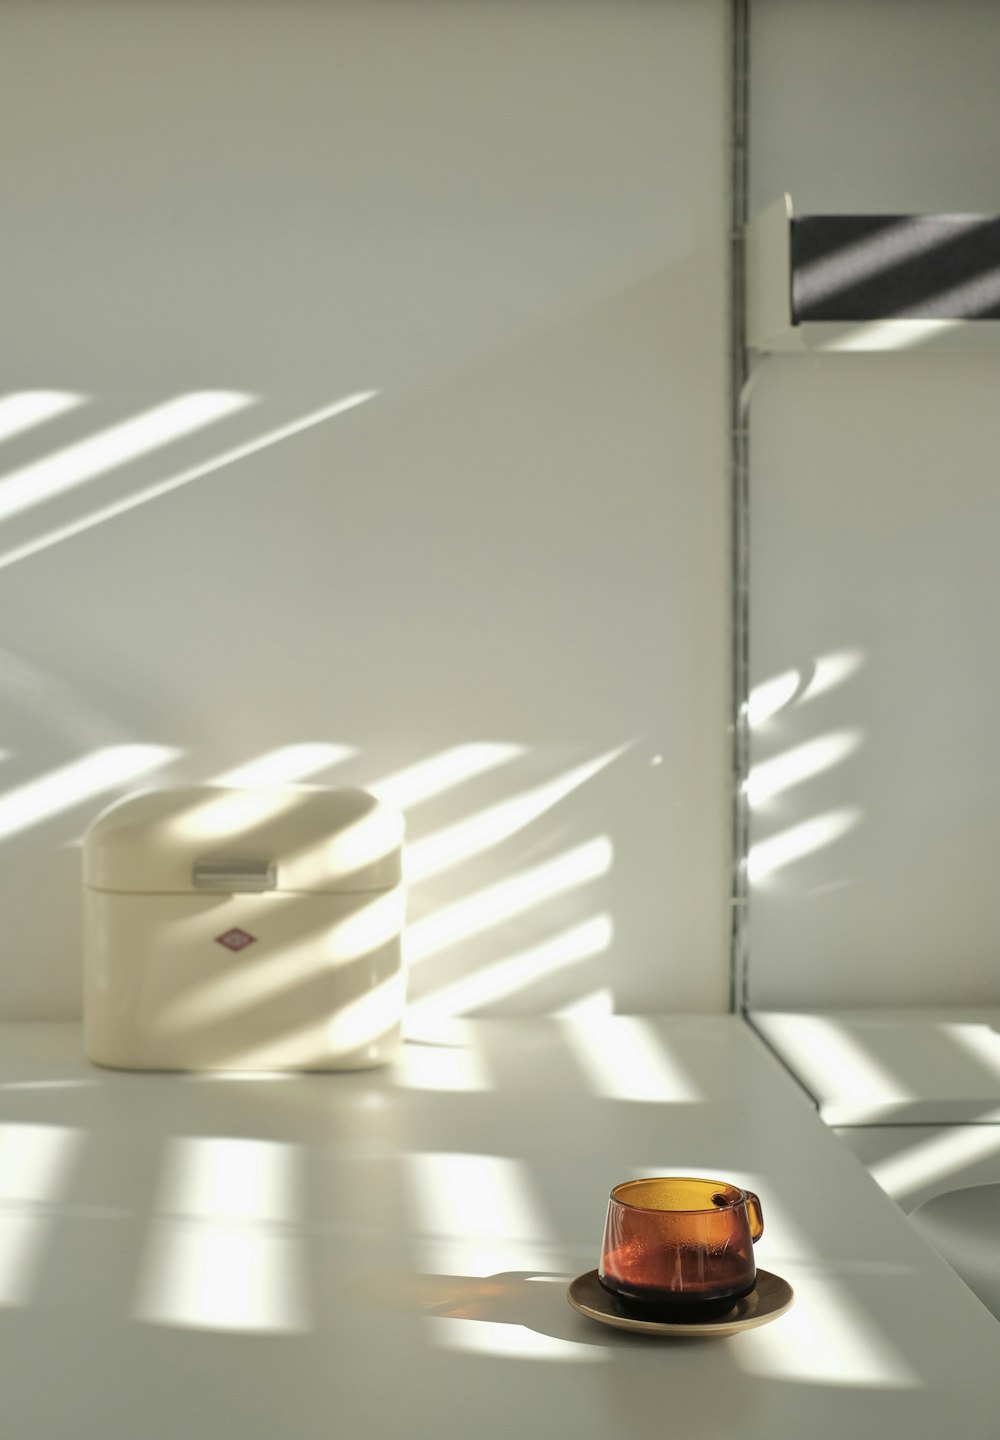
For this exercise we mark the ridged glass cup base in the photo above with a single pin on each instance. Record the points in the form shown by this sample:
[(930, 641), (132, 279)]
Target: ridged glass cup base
[(674, 1307)]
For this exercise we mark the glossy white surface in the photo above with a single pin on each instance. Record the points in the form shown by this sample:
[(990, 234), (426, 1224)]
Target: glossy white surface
[(387, 1253)]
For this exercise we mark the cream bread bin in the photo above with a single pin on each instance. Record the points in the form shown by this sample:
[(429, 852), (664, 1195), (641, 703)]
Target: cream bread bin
[(244, 929)]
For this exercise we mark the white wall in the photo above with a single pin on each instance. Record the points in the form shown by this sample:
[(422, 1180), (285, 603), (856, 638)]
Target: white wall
[(509, 220), (875, 516)]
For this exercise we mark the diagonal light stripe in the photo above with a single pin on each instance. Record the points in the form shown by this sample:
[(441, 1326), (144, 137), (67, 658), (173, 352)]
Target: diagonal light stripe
[(35, 1161), (222, 1253), (770, 696), (441, 1066), (477, 1197), (977, 294), (777, 851), (229, 1278), (115, 447), (500, 902), (832, 670), (517, 972), (224, 1178), (827, 1056), (802, 762), (408, 787), (472, 1214), (153, 492), (481, 832), (826, 1340), (33, 407), (62, 789), (883, 250), (624, 1058), (950, 1150), (286, 765), (588, 1007), (977, 1039)]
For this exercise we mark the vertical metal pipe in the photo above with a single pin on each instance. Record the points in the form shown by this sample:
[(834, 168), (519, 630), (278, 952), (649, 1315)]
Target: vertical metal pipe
[(739, 505)]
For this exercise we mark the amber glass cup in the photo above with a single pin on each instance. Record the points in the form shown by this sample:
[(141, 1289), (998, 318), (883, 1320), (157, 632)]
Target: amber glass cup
[(678, 1245)]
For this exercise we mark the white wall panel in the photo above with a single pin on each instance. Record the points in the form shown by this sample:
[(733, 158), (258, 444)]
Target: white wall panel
[(875, 512), (509, 221)]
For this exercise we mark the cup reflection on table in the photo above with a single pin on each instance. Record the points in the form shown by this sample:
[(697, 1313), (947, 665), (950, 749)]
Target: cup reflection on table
[(680, 1245)]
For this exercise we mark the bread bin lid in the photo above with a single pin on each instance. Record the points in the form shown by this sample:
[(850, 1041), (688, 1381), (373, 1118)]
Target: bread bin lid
[(213, 838)]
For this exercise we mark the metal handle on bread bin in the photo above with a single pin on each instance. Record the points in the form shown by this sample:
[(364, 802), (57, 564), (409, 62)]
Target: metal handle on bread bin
[(234, 876)]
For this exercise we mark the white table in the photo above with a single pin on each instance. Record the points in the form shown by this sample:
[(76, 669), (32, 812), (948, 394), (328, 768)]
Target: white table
[(385, 1254)]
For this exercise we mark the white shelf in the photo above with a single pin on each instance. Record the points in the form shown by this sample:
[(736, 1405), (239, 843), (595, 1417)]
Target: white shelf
[(916, 1163), (769, 324), (893, 1067)]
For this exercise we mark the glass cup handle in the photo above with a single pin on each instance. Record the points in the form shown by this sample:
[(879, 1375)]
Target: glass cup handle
[(754, 1215)]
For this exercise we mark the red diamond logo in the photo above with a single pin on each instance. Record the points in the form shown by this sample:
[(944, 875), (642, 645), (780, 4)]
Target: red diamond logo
[(235, 939)]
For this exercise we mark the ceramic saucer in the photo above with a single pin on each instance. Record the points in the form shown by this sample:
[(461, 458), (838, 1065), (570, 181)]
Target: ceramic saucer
[(770, 1297)]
